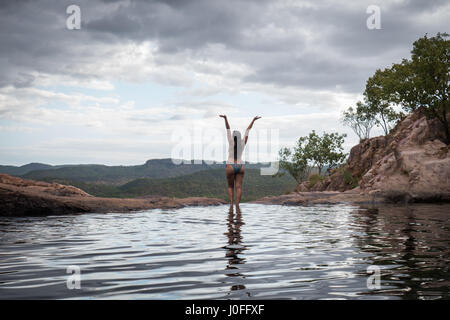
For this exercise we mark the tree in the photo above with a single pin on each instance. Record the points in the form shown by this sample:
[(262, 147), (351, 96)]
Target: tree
[(361, 121), (380, 99), (422, 82), (325, 150), (294, 162), (312, 151), (428, 72)]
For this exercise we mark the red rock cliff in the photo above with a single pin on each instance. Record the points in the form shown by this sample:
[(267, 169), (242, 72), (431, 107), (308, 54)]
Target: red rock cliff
[(411, 162)]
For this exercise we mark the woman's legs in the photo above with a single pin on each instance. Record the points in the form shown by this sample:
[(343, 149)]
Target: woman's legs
[(238, 184), (229, 172)]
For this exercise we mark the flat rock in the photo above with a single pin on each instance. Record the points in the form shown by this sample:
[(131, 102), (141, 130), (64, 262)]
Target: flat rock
[(19, 197), (322, 197)]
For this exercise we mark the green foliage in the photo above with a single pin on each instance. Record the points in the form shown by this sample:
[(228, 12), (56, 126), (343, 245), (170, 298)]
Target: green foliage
[(350, 180), (325, 150), (360, 120), (314, 179), (117, 175), (313, 151), (205, 183), (429, 73), (378, 98), (21, 170), (294, 162), (92, 173), (421, 82), (160, 177)]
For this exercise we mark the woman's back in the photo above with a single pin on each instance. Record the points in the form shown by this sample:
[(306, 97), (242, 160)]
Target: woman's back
[(236, 146)]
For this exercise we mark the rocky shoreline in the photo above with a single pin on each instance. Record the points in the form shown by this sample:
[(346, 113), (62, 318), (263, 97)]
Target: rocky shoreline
[(21, 197), (410, 164), (323, 197), (354, 197)]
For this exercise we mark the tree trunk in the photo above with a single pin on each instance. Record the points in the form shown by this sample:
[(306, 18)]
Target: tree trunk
[(384, 125), (445, 123)]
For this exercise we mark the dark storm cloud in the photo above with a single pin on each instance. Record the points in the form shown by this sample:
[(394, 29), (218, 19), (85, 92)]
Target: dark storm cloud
[(306, 71), (346, 51), (178, 25), (399, 22), (32, 39), (320, 45)]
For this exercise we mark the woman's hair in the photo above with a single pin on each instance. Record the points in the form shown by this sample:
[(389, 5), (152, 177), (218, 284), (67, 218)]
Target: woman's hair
[(237, 144)]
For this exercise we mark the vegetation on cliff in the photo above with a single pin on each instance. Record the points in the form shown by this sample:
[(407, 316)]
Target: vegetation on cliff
[(409, 101), (420, 82)]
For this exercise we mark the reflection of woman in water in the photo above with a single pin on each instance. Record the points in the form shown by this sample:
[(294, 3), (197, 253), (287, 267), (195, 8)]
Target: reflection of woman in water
[(234, 249), (234, 169)]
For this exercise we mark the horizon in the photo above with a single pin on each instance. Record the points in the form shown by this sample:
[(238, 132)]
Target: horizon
[(118, 88), (138, 164)]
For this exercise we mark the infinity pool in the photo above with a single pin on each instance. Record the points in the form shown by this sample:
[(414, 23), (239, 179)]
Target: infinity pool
[(267, 252)]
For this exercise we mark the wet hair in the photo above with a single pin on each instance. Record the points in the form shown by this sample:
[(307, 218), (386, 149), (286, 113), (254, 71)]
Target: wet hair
[(237, 144)]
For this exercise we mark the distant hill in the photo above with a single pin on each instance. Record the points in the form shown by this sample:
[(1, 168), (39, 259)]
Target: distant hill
[(155, 177), (205, 183), (97, 173), (117, 175), (21, 170)]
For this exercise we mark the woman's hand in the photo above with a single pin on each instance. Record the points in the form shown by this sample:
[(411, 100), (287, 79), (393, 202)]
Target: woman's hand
[(251, 123), (227, 125)]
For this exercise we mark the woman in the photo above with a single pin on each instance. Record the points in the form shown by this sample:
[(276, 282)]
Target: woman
[(234, 169)]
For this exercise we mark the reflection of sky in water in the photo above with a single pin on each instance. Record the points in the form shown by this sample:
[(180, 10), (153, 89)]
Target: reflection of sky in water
[(318, 252)]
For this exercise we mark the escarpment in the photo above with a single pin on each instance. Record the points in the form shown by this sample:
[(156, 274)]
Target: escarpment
[(410, 163)]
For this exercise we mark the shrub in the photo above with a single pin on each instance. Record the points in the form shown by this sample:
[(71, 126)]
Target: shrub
[(314, 179), (350, 179)]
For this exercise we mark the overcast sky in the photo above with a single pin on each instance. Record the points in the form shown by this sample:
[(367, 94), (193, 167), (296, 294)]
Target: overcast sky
[(139, 73)]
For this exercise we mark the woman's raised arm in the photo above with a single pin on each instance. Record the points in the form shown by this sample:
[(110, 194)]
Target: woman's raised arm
[(249, 127), (227, 125)]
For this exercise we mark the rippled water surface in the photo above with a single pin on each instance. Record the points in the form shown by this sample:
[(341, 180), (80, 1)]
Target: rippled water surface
[(267, 252)]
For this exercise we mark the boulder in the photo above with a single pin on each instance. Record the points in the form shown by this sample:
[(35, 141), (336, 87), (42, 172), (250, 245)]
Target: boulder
[(410, 163), (21, 197)]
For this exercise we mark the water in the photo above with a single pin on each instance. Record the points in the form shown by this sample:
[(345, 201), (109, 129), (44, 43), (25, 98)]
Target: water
[(268, 252)]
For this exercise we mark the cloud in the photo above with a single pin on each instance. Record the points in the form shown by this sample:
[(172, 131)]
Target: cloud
[(306, 44), (311, 57)]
